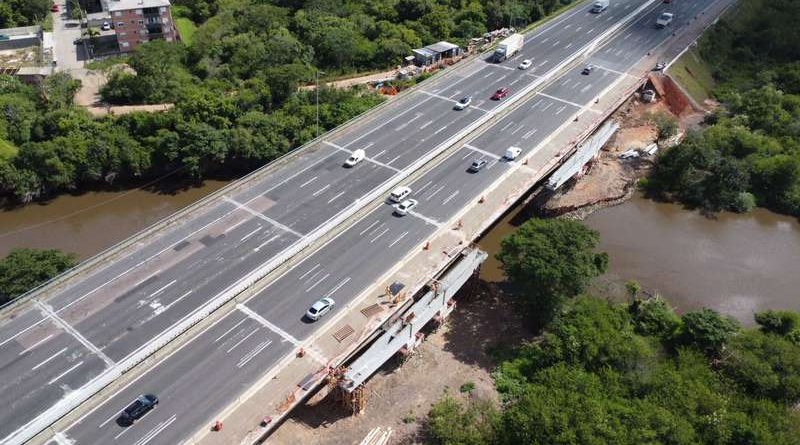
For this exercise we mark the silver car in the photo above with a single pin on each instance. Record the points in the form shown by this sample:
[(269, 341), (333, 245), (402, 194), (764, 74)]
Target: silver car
[(320, 308), (406, 206)]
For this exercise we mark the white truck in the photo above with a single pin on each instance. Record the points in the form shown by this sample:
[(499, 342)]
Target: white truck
[(664, 20), (508, 47), (599, 6)]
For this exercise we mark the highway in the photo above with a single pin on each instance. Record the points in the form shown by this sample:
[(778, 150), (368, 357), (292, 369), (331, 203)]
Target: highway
[(91, 324), (211, 370)]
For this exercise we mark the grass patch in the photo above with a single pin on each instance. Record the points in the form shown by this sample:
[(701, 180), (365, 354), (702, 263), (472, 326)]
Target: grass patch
[(691, 71), (7, 150), (186, 29), (47, 23), (103, 64), (467, 387)]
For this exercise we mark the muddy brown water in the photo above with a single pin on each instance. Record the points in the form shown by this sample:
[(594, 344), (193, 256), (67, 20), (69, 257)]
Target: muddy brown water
[(736, 264), (87, 224)]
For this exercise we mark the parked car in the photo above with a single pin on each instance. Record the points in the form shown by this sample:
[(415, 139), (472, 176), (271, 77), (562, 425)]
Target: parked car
[(320, 308), (477, 165), (512, 153), (463, 103), (105, 26), (525, 64), (356, 157), (399, 193), (406, 206), (587, 70), (138, 408), (500, 94)]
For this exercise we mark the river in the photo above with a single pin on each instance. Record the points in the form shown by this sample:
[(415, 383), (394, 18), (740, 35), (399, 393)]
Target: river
[(736, 264), (88, 223)]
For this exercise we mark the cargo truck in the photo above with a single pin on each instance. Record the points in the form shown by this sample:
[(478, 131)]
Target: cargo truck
[(599, 6), (508, 47)]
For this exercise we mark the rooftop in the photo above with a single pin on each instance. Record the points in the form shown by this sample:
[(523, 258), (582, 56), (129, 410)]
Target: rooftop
[(124, 5)]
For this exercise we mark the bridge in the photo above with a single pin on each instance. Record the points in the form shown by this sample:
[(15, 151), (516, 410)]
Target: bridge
[(205, 308)]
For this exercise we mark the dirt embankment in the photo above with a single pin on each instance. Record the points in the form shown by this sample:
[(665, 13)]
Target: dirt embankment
[(400, 395), (608, 179)]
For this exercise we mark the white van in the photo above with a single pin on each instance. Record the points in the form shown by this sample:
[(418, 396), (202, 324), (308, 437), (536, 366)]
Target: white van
[(355, 158), (399, 193), (512, 153)]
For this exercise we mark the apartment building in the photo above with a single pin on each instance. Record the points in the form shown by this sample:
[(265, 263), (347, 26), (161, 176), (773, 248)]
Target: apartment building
[(139, 21)]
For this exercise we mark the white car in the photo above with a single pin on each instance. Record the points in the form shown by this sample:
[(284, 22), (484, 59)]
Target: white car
[(406, 206), (320, 308), (525, 64), (463, 103), (106, 26), (356, 157)]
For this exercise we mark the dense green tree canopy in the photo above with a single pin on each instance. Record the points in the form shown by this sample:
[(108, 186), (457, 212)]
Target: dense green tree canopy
[(23, 269)]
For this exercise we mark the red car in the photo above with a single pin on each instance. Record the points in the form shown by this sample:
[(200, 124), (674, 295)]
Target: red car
[(499, 94), (54, 8)]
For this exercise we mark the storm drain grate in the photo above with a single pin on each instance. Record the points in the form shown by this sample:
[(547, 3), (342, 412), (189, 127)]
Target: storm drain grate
[(343, 333), (371, 310)]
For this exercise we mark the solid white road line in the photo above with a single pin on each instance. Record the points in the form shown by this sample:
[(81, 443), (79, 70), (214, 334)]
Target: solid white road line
[(363, 231), (339, 195), (397, 240), (250, 355), (163, 288), (317, 282), (48, 359), (308, 182), (264, 217), (483, 152), (286, 336), (48, 312), (337, 287), (426, 124), (274, 237), (155, 431), (64, 373), (231, 329), (236, 225), (453, 195), (379, 235), (256, 230)]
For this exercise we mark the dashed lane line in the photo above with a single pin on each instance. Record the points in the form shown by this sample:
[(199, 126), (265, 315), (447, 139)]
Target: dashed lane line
[(264, 217)]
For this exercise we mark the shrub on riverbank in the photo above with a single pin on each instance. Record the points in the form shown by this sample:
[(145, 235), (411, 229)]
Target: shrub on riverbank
[(23, 269)]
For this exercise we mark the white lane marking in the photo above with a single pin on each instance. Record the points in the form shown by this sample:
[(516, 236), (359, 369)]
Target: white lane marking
[(426, 219), (560, 109), (530, 133), (402, 126), (419, 190), (489, 74), (163, 288), (58, 377), (33, 346), (548, 105), (434, 193), (397, 240), (379, 235), (556, 42), (254, 352), (604, 68), (346, 150), (379, 153), (542, 63), (336, 197), (368, 146), (586, 88), (318, 281), (483, 152), (258, 229), (387, 122), (393, 159), (453, 195), (320, 191), (590, 31), (360, 233), (286, 336), (274, 237), (242, 340), (507, 125), (308, 182), (440, 130), (568, 45), (229, 330), (264, 217), (578, 28), (235, 225), (515, 81), (147, 278), (499, 66), (155, 431), (544, 40), (337, 287), (426, 124), (47, 311), (520, 127), (48, 359), (162, 309), (313, 276), (570, 103)]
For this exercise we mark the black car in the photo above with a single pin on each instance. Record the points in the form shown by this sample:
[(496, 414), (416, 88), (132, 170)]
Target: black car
[(138, 408), (477, 165)]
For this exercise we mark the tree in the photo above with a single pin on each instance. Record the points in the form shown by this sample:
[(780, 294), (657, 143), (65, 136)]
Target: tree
[(778, 322), (23, 269), (451, 422), (548, 261), (707, 330), (59, 89), (654, 317), (633, 288), (666, 126)]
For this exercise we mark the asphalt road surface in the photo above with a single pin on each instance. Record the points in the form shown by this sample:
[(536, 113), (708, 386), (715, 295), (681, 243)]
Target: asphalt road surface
[(230, 356)]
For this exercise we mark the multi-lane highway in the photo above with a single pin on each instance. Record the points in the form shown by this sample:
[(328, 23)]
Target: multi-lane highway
[(64, 340), (219, 364)]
